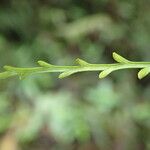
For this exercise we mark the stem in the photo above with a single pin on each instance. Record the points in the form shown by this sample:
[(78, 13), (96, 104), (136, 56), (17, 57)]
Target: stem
[(83, 66)]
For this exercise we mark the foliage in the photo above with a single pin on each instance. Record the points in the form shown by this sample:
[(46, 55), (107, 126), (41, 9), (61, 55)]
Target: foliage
[(83, 66), (81, 112)]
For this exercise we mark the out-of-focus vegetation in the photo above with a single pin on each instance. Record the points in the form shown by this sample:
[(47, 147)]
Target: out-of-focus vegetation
[(80, 112)]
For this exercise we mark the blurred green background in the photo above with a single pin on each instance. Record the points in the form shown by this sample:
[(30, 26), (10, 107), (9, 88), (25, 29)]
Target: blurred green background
[(81, 112)]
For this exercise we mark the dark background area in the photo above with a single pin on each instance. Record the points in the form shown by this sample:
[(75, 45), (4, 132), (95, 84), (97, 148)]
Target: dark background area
[(81, 112)]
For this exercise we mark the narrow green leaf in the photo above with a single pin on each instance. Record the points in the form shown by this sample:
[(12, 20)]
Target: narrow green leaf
[(6, 74), (143, 72), (105, 73), (81, 62), (9, 68), (18, 71), (66, 74), (44, 64), (119, 58)]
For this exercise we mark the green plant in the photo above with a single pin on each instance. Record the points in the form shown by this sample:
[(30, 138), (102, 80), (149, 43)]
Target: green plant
[(106, 69)]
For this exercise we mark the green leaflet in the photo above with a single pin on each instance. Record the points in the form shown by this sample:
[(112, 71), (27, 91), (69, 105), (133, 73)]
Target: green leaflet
[(119, 58), (44, 64), (105, 73), (143, 72), (21, 72), (66, 74), (81, 62), (10, 68), (6, 74)]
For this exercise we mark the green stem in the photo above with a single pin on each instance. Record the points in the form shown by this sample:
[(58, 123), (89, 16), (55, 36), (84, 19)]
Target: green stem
[(83, 66)]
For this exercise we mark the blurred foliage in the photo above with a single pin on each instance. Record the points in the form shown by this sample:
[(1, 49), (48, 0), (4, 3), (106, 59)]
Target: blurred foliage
[(81, 112)]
